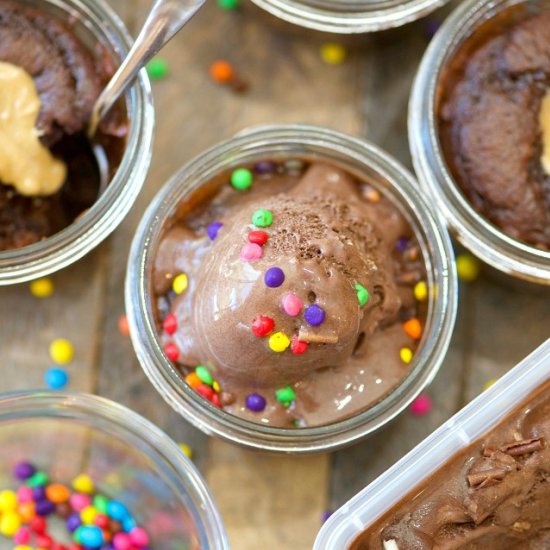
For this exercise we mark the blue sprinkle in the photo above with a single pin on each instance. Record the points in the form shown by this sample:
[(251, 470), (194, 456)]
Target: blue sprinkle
[(56, 378), (117, 511)]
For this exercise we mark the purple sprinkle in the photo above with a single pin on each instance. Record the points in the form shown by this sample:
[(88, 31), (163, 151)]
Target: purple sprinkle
[(401, 244), (265, 167), (432, 26), (23, 470), (255, 402), (213, 229), (315, 315), (73, 522), (39, 493), (274, 277), (44, 507), (326, 515)]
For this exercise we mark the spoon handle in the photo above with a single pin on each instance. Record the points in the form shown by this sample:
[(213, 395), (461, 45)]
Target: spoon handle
[(165, 19)]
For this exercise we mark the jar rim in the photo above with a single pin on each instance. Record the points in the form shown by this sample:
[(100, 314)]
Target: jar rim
[(105, 415), (85, 233), (366, 16), (170, 383), (478, 234)]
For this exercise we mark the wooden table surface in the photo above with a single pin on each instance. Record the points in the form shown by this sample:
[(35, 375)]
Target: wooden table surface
[(274, 501)]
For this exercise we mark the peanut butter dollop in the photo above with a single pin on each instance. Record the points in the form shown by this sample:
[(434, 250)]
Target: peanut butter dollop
[(25, 163)]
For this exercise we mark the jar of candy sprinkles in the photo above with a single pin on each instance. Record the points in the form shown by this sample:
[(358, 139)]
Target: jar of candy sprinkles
[(81, 472)]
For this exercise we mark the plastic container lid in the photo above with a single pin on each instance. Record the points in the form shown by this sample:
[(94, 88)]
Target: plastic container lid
[(465, 427)]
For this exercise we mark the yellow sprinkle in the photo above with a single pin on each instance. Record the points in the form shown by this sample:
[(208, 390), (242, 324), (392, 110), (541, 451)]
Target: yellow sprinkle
[(42, 288), (467, 268), (22, 547), (421, 291), (216, 386), (186, 450), (9, 524), (489, 383), (83, 484), (8, 501), (180, 283), (88, 515), (333, 53), (278, 342), (61, 351), (406, 355)]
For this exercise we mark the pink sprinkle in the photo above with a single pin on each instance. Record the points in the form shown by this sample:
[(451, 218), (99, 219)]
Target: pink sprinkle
[(79, 501), (121, 541), (292, 305), (22, 536), (422, 405), (24, 494), (251, 251), (139, 537)]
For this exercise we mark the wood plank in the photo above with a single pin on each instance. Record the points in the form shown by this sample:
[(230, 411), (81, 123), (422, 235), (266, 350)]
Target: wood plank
[(194, 113)]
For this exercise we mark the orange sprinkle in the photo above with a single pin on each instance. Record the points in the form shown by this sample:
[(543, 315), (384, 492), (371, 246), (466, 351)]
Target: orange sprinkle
[(123, 325), (26, 511), (222, 71), (413, 328), (193, 380), (57, 493)]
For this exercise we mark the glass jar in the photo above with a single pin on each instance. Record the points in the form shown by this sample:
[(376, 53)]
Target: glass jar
[(343, 16), (93, 21), (310, 143), (484, 239), (128, 459)]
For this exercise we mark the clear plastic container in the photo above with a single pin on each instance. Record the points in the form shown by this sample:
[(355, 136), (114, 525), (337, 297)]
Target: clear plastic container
[(343, 16), (483, 238), (465, 427), (93, 21), (281, 143), (128, 458)]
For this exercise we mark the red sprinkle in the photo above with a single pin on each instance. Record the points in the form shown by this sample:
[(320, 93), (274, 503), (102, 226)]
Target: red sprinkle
[(216, 400), (172, 351), (44, 541), (38, 525), (102, 521), (206, 391), (262, 326), (258, 237), (170, 324), (297, 346)]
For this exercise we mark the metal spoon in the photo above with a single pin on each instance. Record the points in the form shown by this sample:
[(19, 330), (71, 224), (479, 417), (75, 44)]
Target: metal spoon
[(165, 19)]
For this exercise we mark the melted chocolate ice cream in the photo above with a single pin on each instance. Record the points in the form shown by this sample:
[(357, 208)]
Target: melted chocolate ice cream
[(491, 98), (330, 350), (495, 494)]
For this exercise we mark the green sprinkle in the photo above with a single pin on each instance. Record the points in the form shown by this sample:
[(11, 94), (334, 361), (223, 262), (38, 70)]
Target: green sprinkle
[(362, 294), (100, 503), (241, 179), (38, 479), (204, 375), (262, 218), (157, 68), (228, 5), (285, 395)]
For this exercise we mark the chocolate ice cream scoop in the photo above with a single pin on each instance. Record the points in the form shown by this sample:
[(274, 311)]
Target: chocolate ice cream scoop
[(293, 286), (324, 249)]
